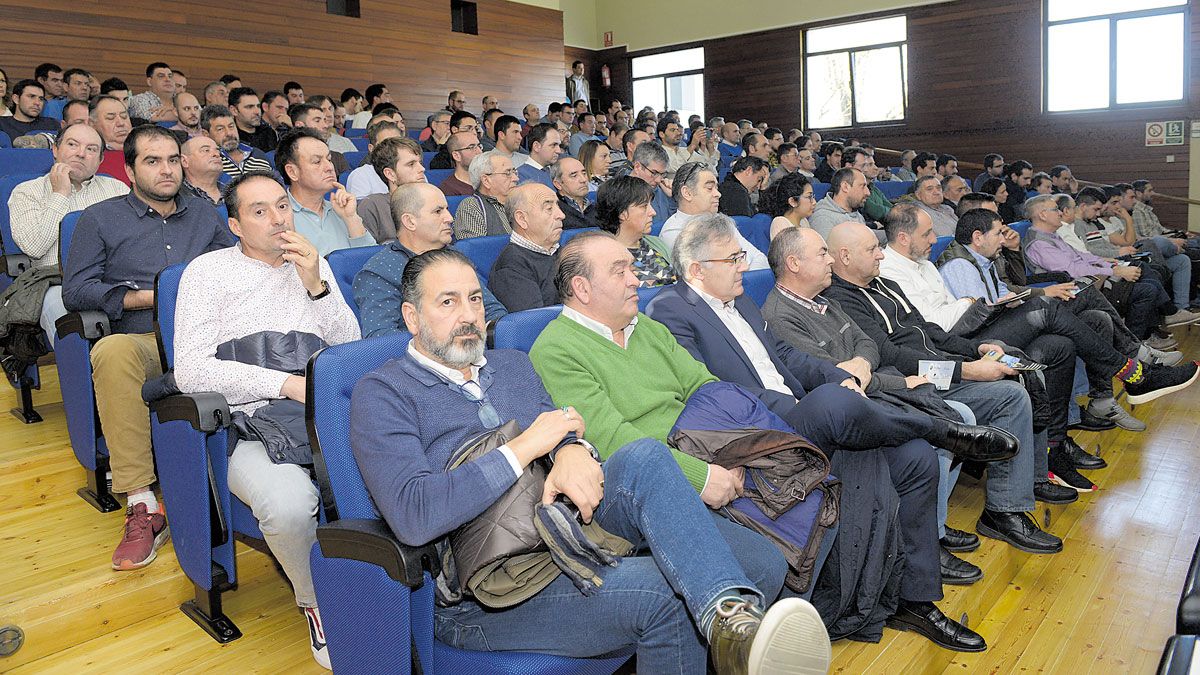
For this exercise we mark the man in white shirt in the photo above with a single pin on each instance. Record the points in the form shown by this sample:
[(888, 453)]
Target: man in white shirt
[(36, 206), (695, 190), (272, 282), (700, 149), (365, 181)]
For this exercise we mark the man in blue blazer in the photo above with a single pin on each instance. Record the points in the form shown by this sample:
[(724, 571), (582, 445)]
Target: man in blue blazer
[(710, 317), (545, 145)]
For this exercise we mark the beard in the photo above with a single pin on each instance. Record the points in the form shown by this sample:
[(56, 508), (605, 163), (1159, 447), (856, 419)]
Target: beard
[(450, 352)]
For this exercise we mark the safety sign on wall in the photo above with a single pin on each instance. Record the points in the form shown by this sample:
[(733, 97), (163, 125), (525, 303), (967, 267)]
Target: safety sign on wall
[(1164, 133)]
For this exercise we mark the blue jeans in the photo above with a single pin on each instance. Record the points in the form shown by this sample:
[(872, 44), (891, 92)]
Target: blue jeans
[(695, 556), (1004, 404), (948, 477)]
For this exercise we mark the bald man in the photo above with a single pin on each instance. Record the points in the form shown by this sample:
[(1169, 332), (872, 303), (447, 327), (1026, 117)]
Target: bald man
[(523, 275), (423, 223)]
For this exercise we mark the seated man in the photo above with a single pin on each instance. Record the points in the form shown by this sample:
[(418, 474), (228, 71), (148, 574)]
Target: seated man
[(112, 270), (849, 189), (311, 116), (187, 110), (329, 224), (247, 116), (272, 280), (648, 161), (747, 175), (545, 146), (439, 124), (410, 415), (587, 132), (928, 193), (698, 149), (108, 116), (508, 139), (27, 98), (461, 122), (424, 225), (463, 146), (397, 161), (36, 206), (364, 181), (571, 182), (201, 161), (483, 214), (695, 190), (523, 275), (877, 204), (237, 157), (588, 353)]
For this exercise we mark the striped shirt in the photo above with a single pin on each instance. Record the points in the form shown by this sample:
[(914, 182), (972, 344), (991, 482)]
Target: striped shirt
[(252, 160)]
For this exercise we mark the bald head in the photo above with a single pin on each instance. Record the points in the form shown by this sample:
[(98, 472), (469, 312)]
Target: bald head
[(534, 213), (801, 262), (856, 252), (422, 217)]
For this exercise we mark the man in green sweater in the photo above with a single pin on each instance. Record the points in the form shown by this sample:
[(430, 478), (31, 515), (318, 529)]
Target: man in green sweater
[(877, 204)]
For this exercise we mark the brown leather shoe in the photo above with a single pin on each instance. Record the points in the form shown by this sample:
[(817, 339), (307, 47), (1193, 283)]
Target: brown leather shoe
[(789, 638)]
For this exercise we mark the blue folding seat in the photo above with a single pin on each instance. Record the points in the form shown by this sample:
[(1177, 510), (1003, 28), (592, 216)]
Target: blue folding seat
[(645, 295), (1178, 655), (426, 158), (436, 176), (361, 142), (5, 141), (758, 284), (819, 190), (483, 251), (454, 201), (414, 134), (25, 160), (1021, 227), (354, 159), (519, 329), (567, 235), (939, 247), (894, 189), (756, 229), (375, 593), (354, 132), (345, 264)]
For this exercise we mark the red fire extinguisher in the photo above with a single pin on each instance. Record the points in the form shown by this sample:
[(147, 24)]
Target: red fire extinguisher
[(606, 75)]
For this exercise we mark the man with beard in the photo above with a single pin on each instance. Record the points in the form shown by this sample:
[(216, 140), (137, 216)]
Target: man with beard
[(187, 109), (306, 165), (848, 191), (247, 114), (111, 269), (237, 157)]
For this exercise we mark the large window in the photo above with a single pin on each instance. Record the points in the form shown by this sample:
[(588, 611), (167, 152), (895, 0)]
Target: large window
[(856, 73), (670, 81), (1112, 53)]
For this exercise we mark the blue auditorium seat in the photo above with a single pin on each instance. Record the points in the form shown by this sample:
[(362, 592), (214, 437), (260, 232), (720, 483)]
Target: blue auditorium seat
[(345, 264), (567, 235), (8, 247), (354, 159), (758, 284), (25, 160), (939, 247), (518, 330), (1178, 655), (483, 251), (894, 189), (819, 190), (414, 134), (454, 201), (426, 158), (343, 177), (645, 295), (354, 132), (361, 142), (375, 593), (271, 158), (5, 141), (1021, 227), (756, 229), (436, 176)]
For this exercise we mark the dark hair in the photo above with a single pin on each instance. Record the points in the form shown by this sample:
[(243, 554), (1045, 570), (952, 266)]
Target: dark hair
[(664, 123), (285, 153), (973, 200), (842, 177), (785, 148), (385, 153), (991, 186), (583, 116), (1123, 187), (44, 70), (775, 201), (155, 66), (1090, 195), (73, 72), (616, 195), (457, 118), (410, 279), (69, 104), (771, 133), (1111, 191), (975, 220), (502, 124), (748, 138), (374, 91), (384, 107), (301, 110), (230, 77), (944, 159), (211, 112), (830, 147), (554, 107), (851, 154), (374, 130), (990, 158), (230, 192), (289, 86), (238, 93), (113, 84), (270, 96), (20, 87), (1017, 167), (576, 63), (685, 174), (538, 134), (627, 139), (349, 93), (320, 99), (176, 71), (1058, 169), (1141, 184), (748, 162), (1038, 178), (902, 218), (571, 263), (922, 159), (150, 130)]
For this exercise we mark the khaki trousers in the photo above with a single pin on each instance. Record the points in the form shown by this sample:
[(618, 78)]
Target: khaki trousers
[(121, 364)]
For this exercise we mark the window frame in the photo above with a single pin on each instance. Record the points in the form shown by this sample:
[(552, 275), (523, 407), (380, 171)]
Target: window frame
[(664, 76), (902, 45), (1112, 19)]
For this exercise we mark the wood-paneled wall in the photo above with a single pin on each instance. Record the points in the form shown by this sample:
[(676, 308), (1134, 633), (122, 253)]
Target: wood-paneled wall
[(406, 44), (975, 73)]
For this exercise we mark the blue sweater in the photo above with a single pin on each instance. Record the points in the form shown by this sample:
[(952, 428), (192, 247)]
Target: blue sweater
[(406, 421)]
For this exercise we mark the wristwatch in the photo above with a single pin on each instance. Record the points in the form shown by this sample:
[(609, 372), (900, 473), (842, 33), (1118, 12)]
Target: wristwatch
[(324, 291)]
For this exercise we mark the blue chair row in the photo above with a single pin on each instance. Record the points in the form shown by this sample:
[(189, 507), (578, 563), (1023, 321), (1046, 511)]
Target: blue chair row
[(1178, 655), (436, 176), (354, 132), (25, 160), (5, 141), (354, 159), (756, 229), (426, 158), (893, 189), (1021, 227), (939, 247), (361, 142)]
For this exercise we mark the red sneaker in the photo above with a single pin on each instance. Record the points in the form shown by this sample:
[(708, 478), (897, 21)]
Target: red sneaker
[(144, 533)]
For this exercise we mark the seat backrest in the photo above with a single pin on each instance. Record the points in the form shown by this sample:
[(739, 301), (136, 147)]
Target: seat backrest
[(354, 159), (436, 176), (756, 229), (346, 263), (519, 329), (893, 189), (758, 284), (819, 190), (25, 160), (645, 295), (66, 229), (426, 158), (939, 247), (414, 134), (354, 132), (483, 251), (361, 142), (7, 183), (343, 177), (166, 291), (332, 374), (454, 201), (1021, 227), (5, 141), (567, 235)]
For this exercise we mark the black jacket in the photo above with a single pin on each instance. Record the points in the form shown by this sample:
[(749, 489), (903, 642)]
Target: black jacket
[(735, 198), (574, 218)]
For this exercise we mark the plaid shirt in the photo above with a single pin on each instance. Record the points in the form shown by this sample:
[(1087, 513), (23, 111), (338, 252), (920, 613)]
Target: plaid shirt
[(1145, 222), (817, 304)]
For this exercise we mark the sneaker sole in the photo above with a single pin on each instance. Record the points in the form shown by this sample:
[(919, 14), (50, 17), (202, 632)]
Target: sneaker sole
[(996, 534), (791, 640), (127, 565), (1058, 481), (1184, 322), (1136, 399)]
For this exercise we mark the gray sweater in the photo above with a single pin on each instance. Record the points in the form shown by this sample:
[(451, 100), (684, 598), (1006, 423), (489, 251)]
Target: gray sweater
[(833, 336)]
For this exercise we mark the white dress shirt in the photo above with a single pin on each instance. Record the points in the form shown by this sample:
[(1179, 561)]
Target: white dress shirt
[(925, 287), (599, 328), (748, 339), (365, 181), (35, 209), (675, 224)]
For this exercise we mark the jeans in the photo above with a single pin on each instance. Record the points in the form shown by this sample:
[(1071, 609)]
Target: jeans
[(52, 310), (284, 500), (695, 556), (947, 476), (1181, 279), (1004, 404)]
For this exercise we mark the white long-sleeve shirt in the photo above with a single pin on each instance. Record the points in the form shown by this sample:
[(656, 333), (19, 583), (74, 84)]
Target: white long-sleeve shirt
[(225, 295), (924, 287), (35, 209)]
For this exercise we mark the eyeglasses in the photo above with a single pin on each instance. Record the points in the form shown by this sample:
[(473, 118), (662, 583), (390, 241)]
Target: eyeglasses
[(488, 416), (657, 174), (735, 259), (472, 146), (510, 172)]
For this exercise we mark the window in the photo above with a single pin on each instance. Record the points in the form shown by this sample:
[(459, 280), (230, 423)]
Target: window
[(464, 17), (856, 73), (670, 81), (342, 8), (1111, 53)]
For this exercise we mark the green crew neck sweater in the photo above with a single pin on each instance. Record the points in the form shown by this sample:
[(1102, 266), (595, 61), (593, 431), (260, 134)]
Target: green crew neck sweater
[(623, 394)]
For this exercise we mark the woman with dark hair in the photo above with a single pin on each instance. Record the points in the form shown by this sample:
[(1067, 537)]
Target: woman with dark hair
[(4, 111), (595, 157), (623, 209), (790, 200), (996, 188)]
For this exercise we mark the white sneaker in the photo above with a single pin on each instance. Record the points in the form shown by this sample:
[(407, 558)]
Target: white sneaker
[(791, 639), (1181, 317), (316, 635)]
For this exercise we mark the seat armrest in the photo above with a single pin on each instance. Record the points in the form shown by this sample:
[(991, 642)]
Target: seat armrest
[(16, 263), (90, 324), (371, 541), (206, 411), (1187, 618)]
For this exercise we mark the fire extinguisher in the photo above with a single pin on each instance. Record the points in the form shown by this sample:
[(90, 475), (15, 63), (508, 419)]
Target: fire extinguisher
[(606, 75)]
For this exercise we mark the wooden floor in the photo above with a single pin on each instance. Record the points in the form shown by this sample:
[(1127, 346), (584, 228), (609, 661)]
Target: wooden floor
[(1104, 605)]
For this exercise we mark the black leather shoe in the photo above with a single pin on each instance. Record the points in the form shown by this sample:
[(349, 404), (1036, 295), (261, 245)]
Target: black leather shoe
[(1049, 493), (956, 571), (926, 619), (1082, 460), (959, 541), (1090, 422), (1019, 531), (978, 443)]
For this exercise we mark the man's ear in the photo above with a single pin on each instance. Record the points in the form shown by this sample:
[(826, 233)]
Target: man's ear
[(411, 322)]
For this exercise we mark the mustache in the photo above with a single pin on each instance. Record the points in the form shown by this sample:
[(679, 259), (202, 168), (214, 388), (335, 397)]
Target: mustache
[(466, 330)]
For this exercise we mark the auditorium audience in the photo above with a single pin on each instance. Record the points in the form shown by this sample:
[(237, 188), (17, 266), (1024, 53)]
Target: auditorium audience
[(571, 183), (509, 137), (624, 210), (330, 132), (698, 149), (596, 158), (110, 269), (523, 275), (648, 161), (697, 193), (247, 115), (237, 157), (201, 161), (929, 199), (947, 165), (376, 94), (306, 165), (993, 167), (215, 93), (488, 137), (953, 189), (1017, 177), (905, 171), (310, 115), (545, 145), (586, 132), (271, 287), (483, 214), (848, 191), (746, 176), (787, 160), (462, 146), (364, 181), (397, 161), (187, 114), (154, 105), (1062, 180), (76, 112)]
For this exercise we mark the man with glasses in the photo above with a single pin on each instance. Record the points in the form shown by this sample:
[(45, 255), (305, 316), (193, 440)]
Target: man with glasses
[(439, 132), (484, 215), (463, 148), (648, 161)]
